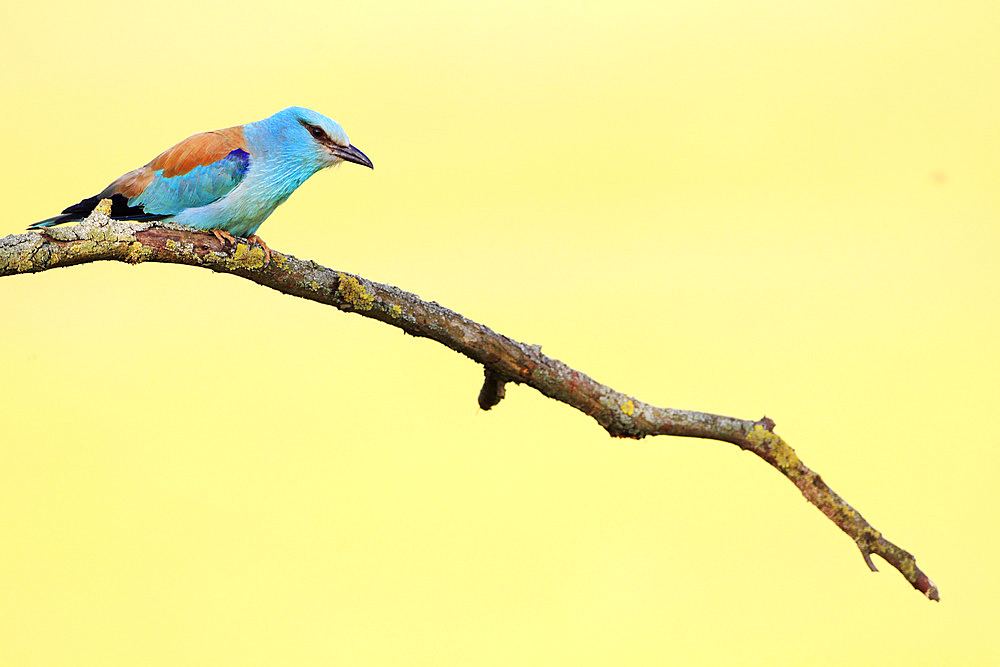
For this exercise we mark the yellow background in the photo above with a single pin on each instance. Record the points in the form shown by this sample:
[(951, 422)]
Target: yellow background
[(748, 208)]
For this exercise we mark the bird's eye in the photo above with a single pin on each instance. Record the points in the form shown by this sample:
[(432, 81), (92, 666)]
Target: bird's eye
[(317, 132)]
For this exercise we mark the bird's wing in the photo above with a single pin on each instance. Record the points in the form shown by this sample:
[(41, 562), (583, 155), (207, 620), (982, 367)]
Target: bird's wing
[(196, 172)]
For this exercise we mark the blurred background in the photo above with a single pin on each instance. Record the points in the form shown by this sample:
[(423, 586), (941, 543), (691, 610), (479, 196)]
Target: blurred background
[(747, 208)]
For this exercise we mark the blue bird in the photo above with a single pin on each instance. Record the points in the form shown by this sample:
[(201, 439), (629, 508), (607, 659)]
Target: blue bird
[(227, 181)]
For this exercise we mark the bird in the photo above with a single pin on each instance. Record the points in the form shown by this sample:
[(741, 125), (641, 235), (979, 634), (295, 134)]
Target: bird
[(227, 181)]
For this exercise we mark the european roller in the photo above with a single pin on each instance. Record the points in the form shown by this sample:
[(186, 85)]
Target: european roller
[(227, 181)]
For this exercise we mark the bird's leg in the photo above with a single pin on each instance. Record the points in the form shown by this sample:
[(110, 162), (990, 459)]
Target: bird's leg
[(253, 238), (223, 236)]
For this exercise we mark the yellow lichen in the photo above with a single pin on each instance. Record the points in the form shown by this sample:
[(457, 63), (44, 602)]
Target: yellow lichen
[(245, 256), (783, 455), (83, 248), (395, 311), (314, 286), (104, 207), (628, 407), (136, 252), (24, 259), (760, 435), (355, 293)]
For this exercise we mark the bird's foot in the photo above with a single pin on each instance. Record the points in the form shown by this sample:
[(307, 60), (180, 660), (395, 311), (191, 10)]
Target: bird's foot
[(253, 238), (223, 237)]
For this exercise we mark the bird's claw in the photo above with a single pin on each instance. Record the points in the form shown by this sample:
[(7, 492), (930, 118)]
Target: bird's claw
[(225, 238), (253, 238)]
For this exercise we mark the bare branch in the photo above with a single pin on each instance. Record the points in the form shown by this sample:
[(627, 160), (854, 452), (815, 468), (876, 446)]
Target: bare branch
[(504, 360)]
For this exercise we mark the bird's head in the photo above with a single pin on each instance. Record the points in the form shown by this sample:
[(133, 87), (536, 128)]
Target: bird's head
[(318, 138)]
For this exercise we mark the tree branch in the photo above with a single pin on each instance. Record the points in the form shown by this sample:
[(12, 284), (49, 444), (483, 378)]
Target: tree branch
[(504, 360)]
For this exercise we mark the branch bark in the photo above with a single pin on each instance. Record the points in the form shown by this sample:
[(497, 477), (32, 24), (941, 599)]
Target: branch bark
[(504, 360)]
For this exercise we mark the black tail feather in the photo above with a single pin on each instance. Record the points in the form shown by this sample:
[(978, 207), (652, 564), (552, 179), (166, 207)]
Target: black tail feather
[(120, 210)]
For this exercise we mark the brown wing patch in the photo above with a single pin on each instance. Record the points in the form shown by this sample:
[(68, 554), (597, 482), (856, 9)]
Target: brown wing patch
[(134, 182), (195, 151)]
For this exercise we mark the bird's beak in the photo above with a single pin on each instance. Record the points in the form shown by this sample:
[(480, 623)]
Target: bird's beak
[(351, 154)]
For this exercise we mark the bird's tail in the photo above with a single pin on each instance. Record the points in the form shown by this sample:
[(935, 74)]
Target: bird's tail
[(51, 222), (120, 210)]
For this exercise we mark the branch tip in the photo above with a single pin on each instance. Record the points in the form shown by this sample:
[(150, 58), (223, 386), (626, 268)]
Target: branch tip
[(930, 589)]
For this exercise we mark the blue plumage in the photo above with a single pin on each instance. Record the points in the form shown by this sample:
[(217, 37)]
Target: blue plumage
[(199, 187), (228, 180)]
